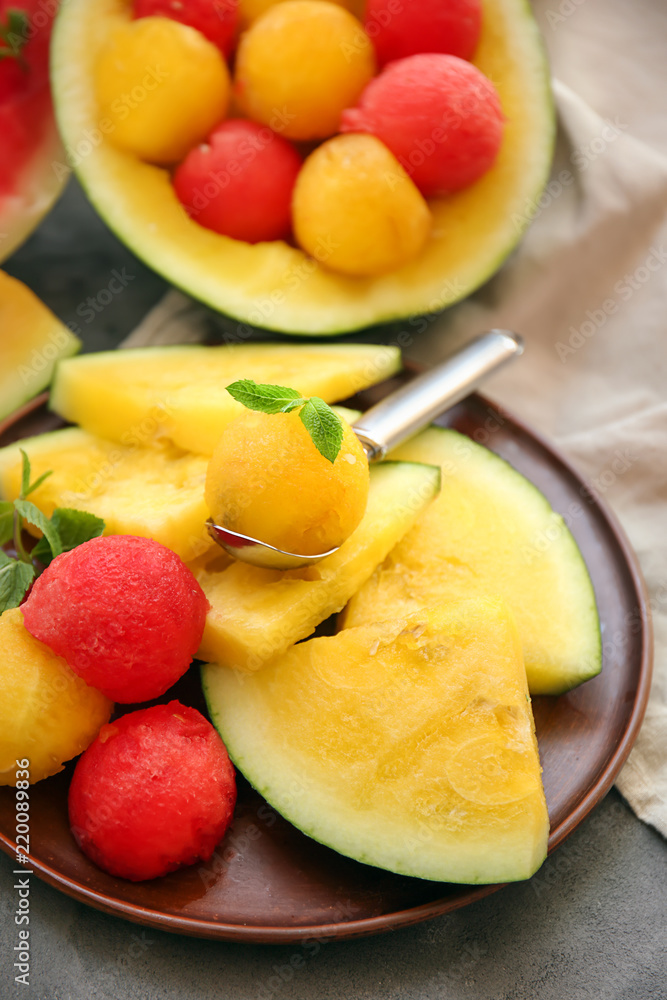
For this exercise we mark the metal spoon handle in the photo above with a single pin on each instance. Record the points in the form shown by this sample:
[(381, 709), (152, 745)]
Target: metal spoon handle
[(403, 413)]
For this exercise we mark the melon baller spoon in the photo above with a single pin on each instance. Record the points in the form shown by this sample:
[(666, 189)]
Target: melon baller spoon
[(393, 420)]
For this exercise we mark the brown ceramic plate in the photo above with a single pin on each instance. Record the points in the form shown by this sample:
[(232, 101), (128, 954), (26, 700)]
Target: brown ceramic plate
[(273, 884)]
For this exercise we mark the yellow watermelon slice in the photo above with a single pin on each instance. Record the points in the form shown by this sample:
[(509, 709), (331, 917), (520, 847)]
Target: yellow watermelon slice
[(408, 745), (32, 340)]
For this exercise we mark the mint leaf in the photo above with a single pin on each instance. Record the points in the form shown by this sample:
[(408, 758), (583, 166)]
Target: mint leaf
[(42, 552), (37, 483), (74, 527), (293, 404), (62, 532), (15, 578), (33, 515), (324, 426), (6, 521), (25, 474), (26, 486), (265, 398)]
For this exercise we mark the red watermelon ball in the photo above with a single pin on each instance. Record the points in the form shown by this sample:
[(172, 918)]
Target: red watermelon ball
[(398, 30), (125, 612), (154, 791), (217, 20), (439, 116), (240, 181)]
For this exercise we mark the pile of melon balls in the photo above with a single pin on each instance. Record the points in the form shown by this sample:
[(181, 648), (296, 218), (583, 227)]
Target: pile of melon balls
[(298, 121)]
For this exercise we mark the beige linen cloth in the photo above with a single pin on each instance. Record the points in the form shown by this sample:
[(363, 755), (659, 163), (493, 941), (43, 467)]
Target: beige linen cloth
[(588, 290)]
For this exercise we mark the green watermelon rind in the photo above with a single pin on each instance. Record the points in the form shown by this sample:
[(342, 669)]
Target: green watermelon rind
[(273, 772), (591, 664), (39, 368)]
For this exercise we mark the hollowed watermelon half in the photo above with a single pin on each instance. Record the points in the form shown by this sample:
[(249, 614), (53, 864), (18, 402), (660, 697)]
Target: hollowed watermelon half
[(274, 285), (32, 167)]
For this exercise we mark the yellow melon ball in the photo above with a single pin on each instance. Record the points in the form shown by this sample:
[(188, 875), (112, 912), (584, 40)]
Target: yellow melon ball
[(47, 714), (250, 10), (161, 87), (266, 479), (353, 198), (300, 65)]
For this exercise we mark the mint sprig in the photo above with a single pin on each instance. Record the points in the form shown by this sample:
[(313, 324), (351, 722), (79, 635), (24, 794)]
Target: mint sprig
[(15, 578), (63, 531), (73, 527), (324, 426), (33, 515)]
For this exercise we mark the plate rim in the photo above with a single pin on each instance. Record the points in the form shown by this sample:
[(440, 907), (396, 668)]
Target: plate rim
[(367, 926)]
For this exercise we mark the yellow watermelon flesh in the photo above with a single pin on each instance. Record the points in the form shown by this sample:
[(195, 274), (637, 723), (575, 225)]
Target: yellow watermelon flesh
[(32, 340), (257, 614), (142, 395), (491, 532), (408, 745), (154, 492)]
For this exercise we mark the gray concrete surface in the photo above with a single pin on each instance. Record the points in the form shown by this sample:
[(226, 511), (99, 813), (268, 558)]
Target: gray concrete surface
[(592, 925)]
